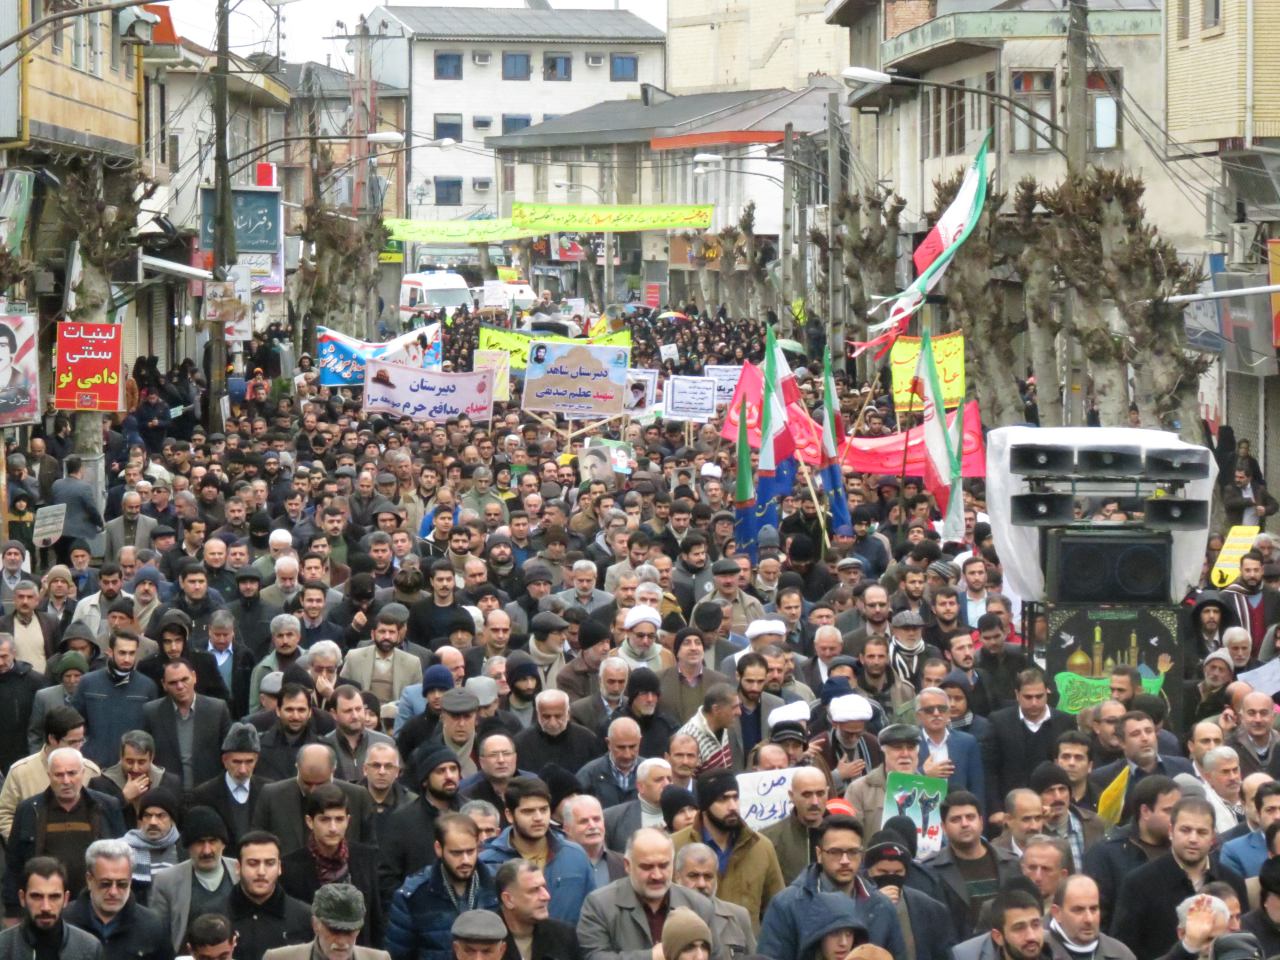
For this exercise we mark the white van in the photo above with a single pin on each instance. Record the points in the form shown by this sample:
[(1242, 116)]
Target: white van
[(436, 290)]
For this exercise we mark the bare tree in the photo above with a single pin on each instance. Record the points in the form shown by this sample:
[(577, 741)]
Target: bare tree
[(868, 243), (1035, 264)]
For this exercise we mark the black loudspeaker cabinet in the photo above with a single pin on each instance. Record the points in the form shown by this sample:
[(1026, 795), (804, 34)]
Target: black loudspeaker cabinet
[(1107, 566), (1042, 509), (1038, 460), (1168, 513)]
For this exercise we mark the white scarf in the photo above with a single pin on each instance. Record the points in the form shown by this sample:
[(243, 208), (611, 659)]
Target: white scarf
[(1083, 949)]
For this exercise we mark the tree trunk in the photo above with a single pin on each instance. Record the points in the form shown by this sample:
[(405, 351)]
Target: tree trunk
[(487, 269), (1045, 363)]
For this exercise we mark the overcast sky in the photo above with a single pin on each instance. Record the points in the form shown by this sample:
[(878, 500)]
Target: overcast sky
[(306, 23)]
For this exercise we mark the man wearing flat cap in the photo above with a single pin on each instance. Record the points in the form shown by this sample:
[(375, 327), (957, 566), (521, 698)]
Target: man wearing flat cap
[(743, 608), (337, 916), (908, 651), (546, 645), (900, 745), (480, 935)]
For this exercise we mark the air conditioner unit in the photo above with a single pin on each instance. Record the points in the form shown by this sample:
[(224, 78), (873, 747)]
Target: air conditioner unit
[(1244, 243), (481, 59), (482, 123), (481, 184), (595, 59)]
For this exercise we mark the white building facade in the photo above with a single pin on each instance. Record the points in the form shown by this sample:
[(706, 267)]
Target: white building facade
[(475, 73)]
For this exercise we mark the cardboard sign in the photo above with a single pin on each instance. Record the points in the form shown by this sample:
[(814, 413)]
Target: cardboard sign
[(918, 798), (19, 378), (499, 361), (48, 525), (726, 376), (642, 390), (495, 294), (576, 379), (89, 367), (690, 398), (669, 351), (1227, 568), (948, 353), (764, 797)]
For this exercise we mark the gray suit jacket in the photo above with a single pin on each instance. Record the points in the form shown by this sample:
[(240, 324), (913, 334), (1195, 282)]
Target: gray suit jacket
[(733, 929), (406, 669), (620, 822), (113, 536), (280, 807), (613, 925), (171, 896), (83, 518)]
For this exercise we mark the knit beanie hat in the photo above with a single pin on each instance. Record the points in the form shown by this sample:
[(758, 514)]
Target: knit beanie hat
[(162, 798), (714, 785), (642, 680), (673, 800), (682, 929), (203, 823)]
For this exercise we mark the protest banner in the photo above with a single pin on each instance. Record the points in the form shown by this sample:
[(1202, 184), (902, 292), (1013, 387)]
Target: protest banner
[(19, 378), (427, 394), (726, 376), (341, 359), (577, 379), (642, 390), (495, 294), (764, 797), (653, 295), (690, 398), (89, 367), (948, 353), (917, 798), (456, 231), (499, 361), (516, 343), (231, 302), (610, 218), (1226, 569), (48, 524), (669, 351), (885, 454)]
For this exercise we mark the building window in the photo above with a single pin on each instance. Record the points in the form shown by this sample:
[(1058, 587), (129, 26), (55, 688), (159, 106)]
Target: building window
[(1184, 19), (448, 191), (77, 42), (448, 125), (624, 67), (955, 121), (508, 176), (1212, 13), (1104, 110), (482, 123), (516, 66), (146, 118), (162, 121), (173, 152), (448, 66), (95, 44), (992, 86), (514, 122), (557, 66), (926, 115), (1034, 92), (935, 122), (116, 48)]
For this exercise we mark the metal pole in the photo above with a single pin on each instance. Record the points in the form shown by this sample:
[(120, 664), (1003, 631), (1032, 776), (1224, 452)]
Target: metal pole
[(224, 237), (608, 240), (833, 190), (788, 213)]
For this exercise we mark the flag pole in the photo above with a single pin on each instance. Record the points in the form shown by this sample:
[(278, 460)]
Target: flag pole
[(822, 524)]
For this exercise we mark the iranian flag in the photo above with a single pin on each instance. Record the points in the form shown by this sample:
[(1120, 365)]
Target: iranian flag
[(936, 252), (942, 446), (777, 469)]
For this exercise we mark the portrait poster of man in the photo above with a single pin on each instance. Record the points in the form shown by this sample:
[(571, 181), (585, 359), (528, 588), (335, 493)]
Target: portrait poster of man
[(19, 379)]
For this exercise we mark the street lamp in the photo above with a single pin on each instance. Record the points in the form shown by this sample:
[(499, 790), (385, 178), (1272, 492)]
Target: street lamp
[(608, 239), (865, 76), (385, 137)]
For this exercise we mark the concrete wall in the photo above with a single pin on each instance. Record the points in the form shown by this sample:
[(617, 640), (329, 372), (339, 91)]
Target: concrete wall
[(750, 44)]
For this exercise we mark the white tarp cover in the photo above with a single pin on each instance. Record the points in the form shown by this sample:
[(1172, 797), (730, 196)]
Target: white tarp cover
[(1019, 547)]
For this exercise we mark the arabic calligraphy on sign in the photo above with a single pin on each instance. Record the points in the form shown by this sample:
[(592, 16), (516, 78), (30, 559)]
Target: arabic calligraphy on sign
[(576, 379), (404, 391), (948, 353), (89, 367)]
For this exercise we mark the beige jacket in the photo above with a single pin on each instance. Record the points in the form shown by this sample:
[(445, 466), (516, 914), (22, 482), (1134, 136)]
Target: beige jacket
[(28, 777)]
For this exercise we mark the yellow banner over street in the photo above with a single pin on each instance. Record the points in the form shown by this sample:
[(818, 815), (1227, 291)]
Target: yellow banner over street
[(516, 342), (610, 218), (1227, 568), (948, 351), (456, 231)]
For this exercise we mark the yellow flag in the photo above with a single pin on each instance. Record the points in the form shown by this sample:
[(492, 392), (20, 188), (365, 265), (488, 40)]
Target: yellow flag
[(1111, 802)]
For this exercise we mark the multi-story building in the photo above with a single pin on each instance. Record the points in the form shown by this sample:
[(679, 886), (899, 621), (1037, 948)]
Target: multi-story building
[(474, 73), (750, 45), (909, 135)]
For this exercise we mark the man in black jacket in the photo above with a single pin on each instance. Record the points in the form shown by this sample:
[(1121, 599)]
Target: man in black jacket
[(18, 687), (1133, 844), (523, 899), (193, 756), (329, 857), (234, 793), (434, 770), (264, 915), (108, 910), (1022, 737), (1146, 920)]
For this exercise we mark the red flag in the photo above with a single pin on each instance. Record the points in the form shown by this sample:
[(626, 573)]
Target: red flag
[(884, 454)]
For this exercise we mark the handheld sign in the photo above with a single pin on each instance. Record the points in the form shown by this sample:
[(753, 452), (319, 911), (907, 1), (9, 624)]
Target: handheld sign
[(48, 525), (1239, 542)]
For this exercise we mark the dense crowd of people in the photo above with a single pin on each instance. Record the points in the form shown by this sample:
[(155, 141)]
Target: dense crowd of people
[(324, 684)]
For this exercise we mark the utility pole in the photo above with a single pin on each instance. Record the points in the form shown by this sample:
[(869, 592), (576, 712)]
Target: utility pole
[(608, 240), (833, 191), (788, 205), (1077, 125), (1077, 86), (364, 121), (224, 234)]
